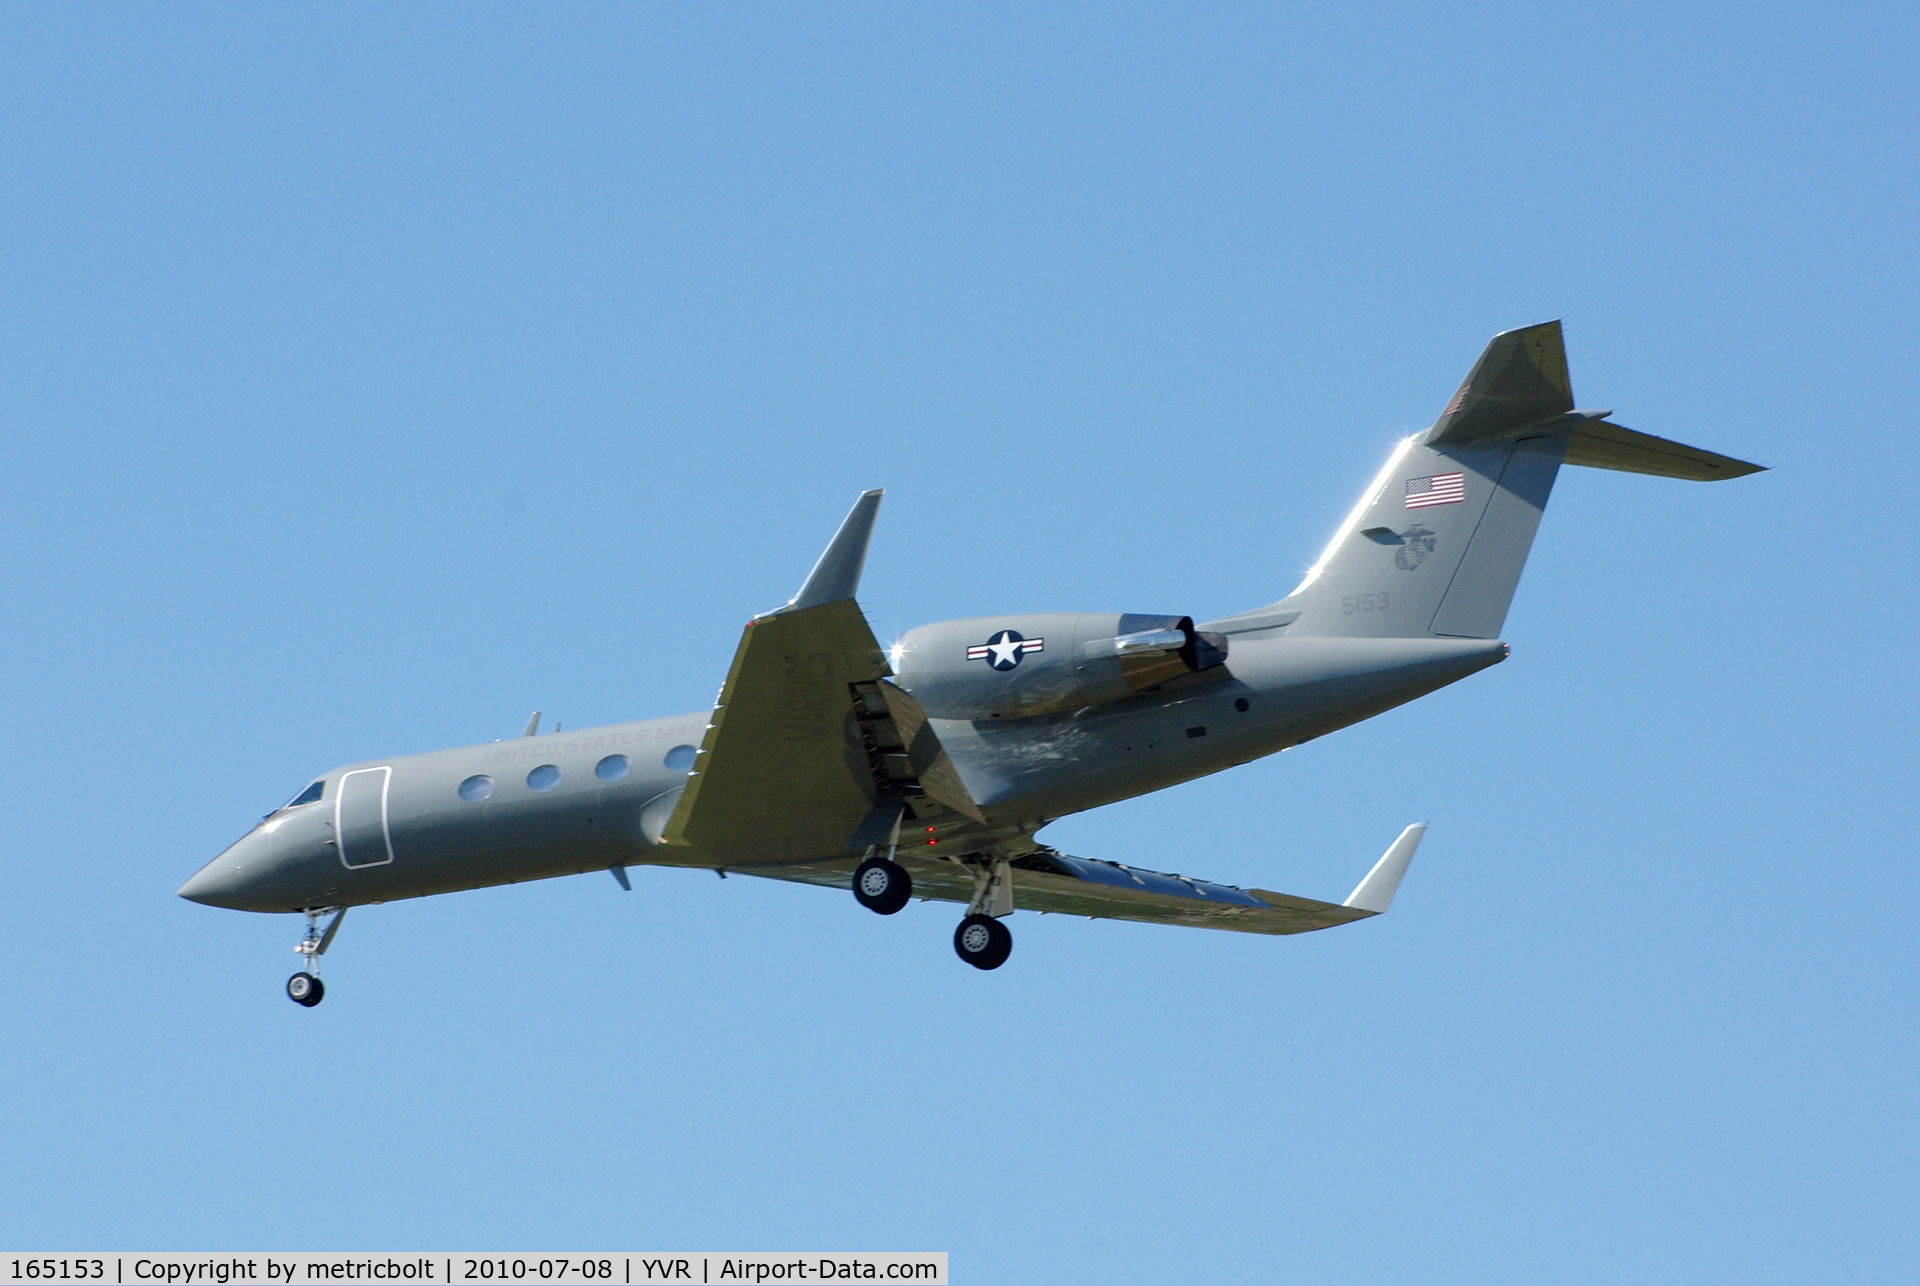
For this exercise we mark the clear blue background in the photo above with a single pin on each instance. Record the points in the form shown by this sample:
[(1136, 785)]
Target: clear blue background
[(369, 379)]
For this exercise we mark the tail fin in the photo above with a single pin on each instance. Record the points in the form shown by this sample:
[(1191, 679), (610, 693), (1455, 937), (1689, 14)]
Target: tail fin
[(1437, 543)]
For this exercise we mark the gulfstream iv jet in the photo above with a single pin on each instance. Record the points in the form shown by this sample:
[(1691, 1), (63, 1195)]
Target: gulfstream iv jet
[(928, 769)]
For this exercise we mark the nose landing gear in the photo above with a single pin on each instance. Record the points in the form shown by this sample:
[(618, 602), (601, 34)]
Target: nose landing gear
[(305, 987)]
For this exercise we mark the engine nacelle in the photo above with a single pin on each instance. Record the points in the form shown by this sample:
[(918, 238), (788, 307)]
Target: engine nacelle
[(1001, 666)]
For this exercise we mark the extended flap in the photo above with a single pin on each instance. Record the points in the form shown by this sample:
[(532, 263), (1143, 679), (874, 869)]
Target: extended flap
[(931, 765)]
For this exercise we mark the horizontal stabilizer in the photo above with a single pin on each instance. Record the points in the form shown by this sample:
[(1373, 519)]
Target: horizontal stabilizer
[(1599, 445)]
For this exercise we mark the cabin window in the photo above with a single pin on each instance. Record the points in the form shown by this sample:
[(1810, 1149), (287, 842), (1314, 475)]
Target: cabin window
[(476, 788), (612, 768), (680, 758), (545, 777)]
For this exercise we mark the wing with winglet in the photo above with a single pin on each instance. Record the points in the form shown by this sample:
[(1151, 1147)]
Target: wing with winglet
[(1044, 880), (780, 772)]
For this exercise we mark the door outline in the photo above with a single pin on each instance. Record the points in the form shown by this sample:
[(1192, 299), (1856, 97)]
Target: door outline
[(339, 802)]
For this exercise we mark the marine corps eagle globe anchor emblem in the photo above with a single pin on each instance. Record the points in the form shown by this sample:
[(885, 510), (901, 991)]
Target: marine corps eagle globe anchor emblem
[(1418, 542)]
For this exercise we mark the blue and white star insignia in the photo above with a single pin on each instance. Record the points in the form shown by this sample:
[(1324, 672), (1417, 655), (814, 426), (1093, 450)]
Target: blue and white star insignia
[(1004, 650)]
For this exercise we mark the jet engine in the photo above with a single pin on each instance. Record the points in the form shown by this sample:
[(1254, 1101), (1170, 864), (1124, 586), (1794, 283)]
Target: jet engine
[(1004, 666)]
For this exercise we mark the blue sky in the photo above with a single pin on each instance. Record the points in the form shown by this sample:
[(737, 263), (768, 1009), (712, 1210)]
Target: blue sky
[(369, 379)]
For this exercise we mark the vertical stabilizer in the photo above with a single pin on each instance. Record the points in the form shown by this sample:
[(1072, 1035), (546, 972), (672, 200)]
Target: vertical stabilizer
[(1437, 547), (1437, 544), (1520, 380)]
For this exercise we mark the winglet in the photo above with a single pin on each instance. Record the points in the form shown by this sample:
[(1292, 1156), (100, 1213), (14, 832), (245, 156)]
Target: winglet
[(837, 574), (1375, 893)]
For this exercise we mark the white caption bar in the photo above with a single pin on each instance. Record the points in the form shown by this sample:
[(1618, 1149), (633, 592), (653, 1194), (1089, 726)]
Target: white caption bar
[(626, 1268)]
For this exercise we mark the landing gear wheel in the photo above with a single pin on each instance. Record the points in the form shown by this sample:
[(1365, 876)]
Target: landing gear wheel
[(983, 942), (305, 989), (881, 885)]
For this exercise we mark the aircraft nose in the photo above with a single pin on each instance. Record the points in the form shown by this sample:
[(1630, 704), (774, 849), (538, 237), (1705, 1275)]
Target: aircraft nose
[(224, 881), (213, 884)]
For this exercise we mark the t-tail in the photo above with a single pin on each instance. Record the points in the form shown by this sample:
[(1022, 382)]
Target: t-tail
[(1435, 546)]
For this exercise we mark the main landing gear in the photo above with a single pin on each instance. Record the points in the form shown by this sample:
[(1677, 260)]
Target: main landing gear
[(305, 987), (881, 884), (982, 940)]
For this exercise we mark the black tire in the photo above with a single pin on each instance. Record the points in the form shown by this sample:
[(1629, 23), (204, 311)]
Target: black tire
[(305, 989), (882, 886), (983, 942)]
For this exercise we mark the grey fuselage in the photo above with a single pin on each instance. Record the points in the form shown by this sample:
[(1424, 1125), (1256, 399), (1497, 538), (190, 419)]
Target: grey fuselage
[(1002, 724), (400, 827)]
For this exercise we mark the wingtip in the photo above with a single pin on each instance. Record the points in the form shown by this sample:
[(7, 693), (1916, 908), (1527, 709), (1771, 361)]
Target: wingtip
[(1375, 893), (837, 574)]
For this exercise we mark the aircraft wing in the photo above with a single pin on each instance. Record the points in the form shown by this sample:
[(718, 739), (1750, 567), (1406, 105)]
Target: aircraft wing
[(1048, 881), (780, 771)]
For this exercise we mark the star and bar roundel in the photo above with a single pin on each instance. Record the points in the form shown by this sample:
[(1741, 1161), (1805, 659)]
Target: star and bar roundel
[(1004, 650)]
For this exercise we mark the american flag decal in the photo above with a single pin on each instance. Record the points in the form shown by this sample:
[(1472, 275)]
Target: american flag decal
[(1440, 489)]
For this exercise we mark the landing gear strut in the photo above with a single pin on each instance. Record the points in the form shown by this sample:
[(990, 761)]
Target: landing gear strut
[(982, 940), (880, 884), (305, 987)]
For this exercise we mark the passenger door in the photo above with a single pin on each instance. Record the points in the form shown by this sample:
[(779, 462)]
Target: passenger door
[(360, 817)]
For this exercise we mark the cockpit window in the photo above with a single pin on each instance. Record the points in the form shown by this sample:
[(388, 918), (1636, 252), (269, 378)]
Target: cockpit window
[(311, 795)]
